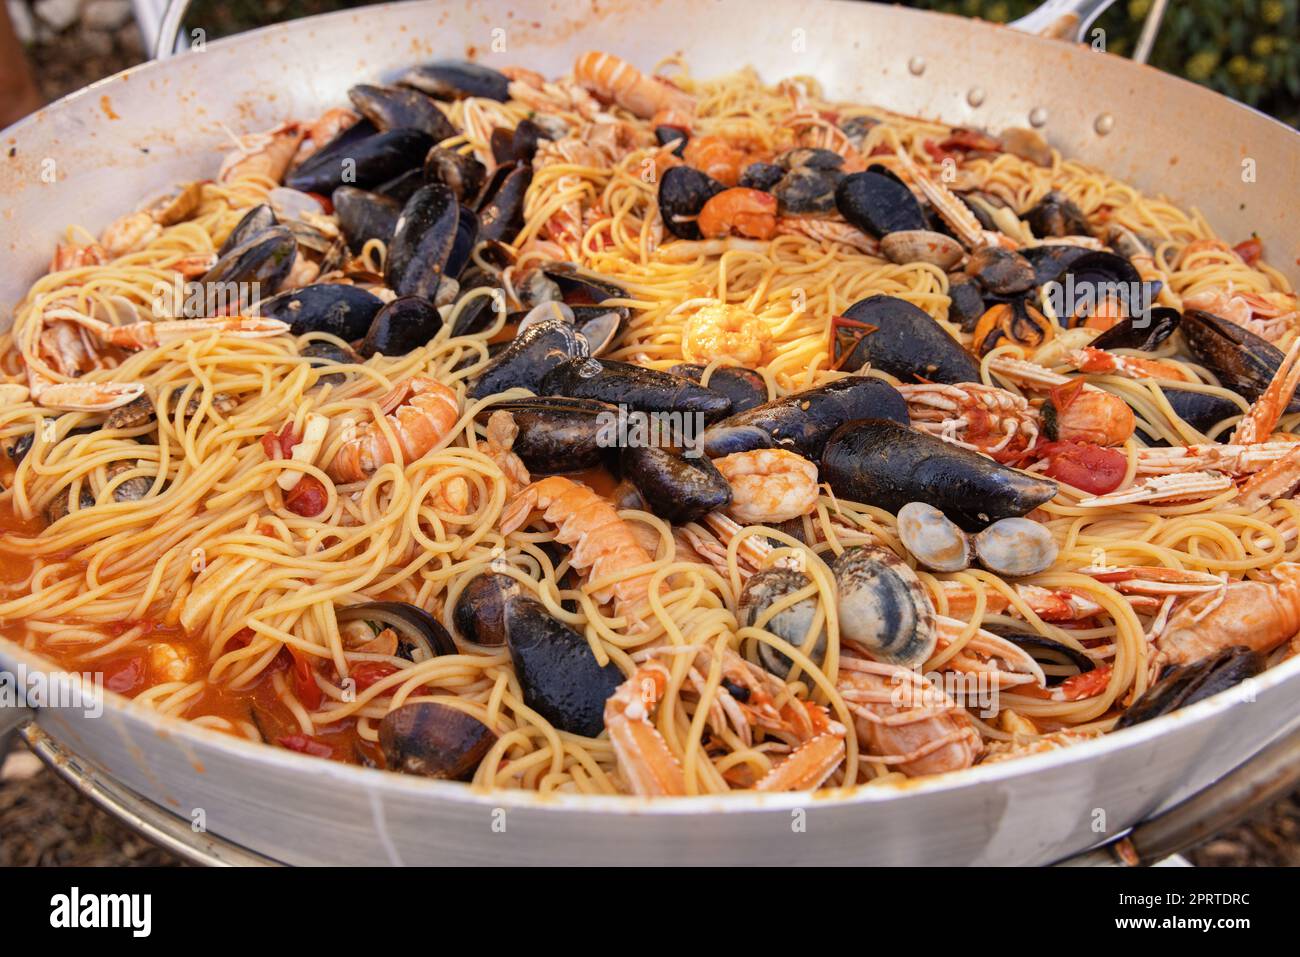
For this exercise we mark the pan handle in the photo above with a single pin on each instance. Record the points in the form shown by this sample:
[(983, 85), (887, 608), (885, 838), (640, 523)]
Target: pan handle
[(169, 29), (1071, 19)]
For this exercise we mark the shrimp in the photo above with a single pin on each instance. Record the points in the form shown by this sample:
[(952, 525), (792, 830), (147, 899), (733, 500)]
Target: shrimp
[(906, 720), (327, 126), (262, 154), (720, 157), (614, 79), (749, 212), (603, 544), (500, 435), (769, 485), (719, 330), (828, 231), (1078, 414), (1099, 361), (1260, 615), (426, 410)]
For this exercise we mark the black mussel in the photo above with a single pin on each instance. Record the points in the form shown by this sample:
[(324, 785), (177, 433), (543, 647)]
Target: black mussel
[(683, 191), (966, 301), (401, 187), (501, 209), (1001, 272), (1048, 652), (422, 241), (253, 223), (336, 308), (61, 506), (633, 386), (744, 387), (530, 356), (1201, 410), (762, 176), (803, 421), (420, 636), (251, 271), (132, 489), (792, 625), (672, 134), (879, 462), (461, 172), (856, 129), (364, 216), (1096, 279), (534, 287), (1145, 332), (577, 287), (453, 79), (1051, 260), (479, 613), (342, 145), (897, 337), (1016, 321), (525, 141), (560, 676), (883, 606), (1183, 685), (401, 326), (364, 164), (810, 181), (401, 108), (1056, 215), (476, 315), (434, 740), (134, 414), (557, 434), (501, 143), (678, 488), (323, 353), (1243, 361), (601, 326), (878, 204), (463, 244)]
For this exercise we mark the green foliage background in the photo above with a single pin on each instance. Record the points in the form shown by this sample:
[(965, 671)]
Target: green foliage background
[(1246, 49)]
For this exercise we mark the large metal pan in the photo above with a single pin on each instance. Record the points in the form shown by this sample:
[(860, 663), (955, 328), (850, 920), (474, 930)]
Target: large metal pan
[(129, 136)]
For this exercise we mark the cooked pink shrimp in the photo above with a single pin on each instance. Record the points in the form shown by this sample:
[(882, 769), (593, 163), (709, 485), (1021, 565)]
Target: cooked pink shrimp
[(614, 79), (425, 410), (769, 485), (603, 544), (263, 154)]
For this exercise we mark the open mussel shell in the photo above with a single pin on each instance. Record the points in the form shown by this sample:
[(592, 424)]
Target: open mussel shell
[(966, 301), (1243, 361), (501, 206), (1056, 215), (534, 352), (339, 309), (791, 625), (479, 614), (578, 287), (1051, 260), (899, 338), (423, 238), (932, 539), (878, 204), (1015, 547), (253, 223), (803, 421), (633, 386), (881, 463), (883, 606), (601, 326), (364, 216), (1183, 685), (1015, 322), (453, 79), (365, 163), (744, 387), (460, 172), (434, 740), (558, 434), (401, 326), (401, 108), (262, 264), (810, 181), (324, 353), (401, 187), (1098, 276), (420, 636), (1140, 332), (762, 176), (561, 678), (1048, 652), (683, 191), (677, 487)]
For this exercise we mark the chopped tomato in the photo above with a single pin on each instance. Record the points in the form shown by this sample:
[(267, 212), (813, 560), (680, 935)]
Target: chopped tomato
[(125, 676), (241, 639), (1249, 250), (326, 203), (306, 744), (937, 152), (304, 681), (368, 673), (279, 445), (307, 498), (1089, 468)]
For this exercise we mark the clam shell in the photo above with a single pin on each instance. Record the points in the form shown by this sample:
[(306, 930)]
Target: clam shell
[(932, 539), (1016, 547), (791, 624), (883, 606)]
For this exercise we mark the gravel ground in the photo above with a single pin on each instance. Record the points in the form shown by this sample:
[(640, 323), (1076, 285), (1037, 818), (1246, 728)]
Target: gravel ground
[(44, 822)]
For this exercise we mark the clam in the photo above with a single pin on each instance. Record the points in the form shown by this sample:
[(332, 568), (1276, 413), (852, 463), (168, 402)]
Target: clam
[(922, 246), (1027, 144), (434, 740), (792, 625), (1016, 547), (479, 614), (883, 606), (934, 541)]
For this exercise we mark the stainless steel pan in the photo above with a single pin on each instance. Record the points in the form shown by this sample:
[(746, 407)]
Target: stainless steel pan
[(130, 136)]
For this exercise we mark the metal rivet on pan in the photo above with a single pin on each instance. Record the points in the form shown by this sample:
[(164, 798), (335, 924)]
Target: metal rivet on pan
[(1037, 116), (1104, 123), (916, 65), (976, 96)]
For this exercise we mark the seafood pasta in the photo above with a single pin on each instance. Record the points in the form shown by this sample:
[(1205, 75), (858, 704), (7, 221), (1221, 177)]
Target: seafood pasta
[(638, 433)]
